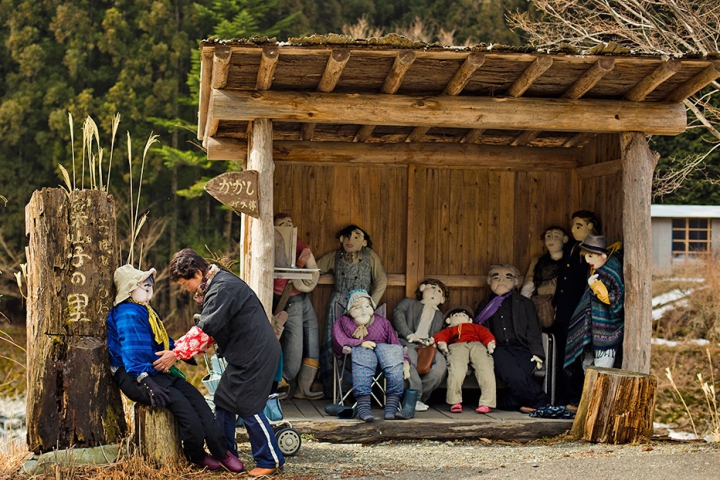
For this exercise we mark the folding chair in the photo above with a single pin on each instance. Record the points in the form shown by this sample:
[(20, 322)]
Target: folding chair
[(547, 372), (342, 387)]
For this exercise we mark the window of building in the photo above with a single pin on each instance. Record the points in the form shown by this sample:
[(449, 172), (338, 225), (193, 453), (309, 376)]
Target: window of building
[(690, 237)]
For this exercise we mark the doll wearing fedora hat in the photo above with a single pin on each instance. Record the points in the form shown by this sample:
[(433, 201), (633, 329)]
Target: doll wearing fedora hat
[(596, 327)]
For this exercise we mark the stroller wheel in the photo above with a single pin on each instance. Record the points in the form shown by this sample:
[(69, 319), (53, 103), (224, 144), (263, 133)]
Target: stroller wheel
[(288, 440)]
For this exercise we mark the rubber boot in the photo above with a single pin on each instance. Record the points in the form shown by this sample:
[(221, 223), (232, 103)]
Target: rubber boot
[(408, 408), (283, 389), (305, 379), (363, 408), (392, 405)]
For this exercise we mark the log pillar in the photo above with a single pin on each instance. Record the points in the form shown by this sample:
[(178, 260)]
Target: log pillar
[(617, 406), (638, 165), (72, 399), (156, 435), (260, 232)]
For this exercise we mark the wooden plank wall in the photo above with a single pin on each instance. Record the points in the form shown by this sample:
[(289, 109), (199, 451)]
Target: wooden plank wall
[(472, 218), (603, 194), (323, 200)]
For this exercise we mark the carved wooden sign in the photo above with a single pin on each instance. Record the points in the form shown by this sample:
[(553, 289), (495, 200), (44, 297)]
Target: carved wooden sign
[(237, 190)]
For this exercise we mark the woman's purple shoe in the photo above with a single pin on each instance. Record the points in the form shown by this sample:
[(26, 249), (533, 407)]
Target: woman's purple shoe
[(210, 463), (231, 462)]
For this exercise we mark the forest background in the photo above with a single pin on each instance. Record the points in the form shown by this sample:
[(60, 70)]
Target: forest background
[(139, 58)]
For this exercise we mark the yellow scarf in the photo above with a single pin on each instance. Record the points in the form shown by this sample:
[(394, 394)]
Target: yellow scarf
[(161, 336), (361, 331)]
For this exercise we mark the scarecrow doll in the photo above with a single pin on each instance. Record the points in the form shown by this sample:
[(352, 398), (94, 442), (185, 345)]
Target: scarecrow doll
[(466, 343), (596, 329), (371, 341), (135, 334), (356, 267)]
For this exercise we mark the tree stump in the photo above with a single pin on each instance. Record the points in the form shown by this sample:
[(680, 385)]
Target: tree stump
[(156, 435), (72, 399), (617, 406)]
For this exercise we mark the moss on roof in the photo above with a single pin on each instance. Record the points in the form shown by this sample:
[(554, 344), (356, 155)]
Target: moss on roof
[(395, 41)]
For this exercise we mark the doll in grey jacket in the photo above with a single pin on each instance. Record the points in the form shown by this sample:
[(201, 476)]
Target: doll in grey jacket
[(416, 320)]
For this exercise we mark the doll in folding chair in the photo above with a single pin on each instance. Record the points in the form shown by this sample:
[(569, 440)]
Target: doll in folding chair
[(371, 341)]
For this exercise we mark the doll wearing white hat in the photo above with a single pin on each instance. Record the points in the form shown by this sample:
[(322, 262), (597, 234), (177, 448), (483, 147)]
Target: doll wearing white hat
[(135, 334)]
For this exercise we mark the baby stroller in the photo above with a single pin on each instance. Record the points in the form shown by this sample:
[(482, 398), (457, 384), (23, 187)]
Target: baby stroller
[(288, 438)]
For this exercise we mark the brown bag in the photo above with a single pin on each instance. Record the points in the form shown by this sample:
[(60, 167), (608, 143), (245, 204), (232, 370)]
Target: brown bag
[(426, 356), (545, 310)]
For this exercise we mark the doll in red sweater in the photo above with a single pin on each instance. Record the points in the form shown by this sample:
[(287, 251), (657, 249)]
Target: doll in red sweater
[(464, 342)]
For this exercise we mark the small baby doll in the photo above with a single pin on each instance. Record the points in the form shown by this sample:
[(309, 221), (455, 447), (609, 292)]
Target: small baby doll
[(465, 342), (371, 341)]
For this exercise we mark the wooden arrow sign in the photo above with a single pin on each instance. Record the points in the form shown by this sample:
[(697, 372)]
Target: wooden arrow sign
[(237, 190)]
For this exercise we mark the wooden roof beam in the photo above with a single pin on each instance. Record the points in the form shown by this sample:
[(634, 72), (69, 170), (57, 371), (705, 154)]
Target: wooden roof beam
[(206, 63), (581, 86), (333, 70), (589, 79), (528, 77), (437, 154), (222, 55), (599, 116), (696, 83), (651, 82), (473, 135), (523, 82), (454, 87), (403, 61), (221, 66), (266, 71), (577, 140)]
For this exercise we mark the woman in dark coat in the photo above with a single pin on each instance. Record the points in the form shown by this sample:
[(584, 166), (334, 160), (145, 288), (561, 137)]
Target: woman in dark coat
[(233, 317)]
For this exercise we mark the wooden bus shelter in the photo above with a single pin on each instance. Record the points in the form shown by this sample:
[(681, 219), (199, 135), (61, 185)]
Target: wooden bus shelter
[(451, 158)]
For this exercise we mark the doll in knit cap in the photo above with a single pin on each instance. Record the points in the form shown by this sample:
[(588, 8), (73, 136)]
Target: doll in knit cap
[(467, 343), (135, 333), (371, 341)]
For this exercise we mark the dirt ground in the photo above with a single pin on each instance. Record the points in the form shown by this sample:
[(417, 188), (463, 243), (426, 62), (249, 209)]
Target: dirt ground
[(572, 460)]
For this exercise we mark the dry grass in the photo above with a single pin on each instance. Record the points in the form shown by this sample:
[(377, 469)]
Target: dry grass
[(700, 318), (685, 364), (12, 360), (13, 452)]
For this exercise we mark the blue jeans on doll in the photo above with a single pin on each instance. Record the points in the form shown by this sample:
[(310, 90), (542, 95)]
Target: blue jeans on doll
[(300, 337), (366, 361)]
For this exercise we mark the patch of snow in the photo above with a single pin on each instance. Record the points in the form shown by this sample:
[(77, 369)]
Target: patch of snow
[(673, 434), (671, 296), (12, 418), (657, 313)]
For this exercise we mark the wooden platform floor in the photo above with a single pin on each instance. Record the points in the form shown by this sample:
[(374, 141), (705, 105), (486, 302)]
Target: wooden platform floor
[(309, 417)]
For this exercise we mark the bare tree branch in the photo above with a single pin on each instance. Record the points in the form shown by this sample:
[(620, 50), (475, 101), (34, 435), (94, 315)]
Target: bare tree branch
[(667, 27), (669, 181)]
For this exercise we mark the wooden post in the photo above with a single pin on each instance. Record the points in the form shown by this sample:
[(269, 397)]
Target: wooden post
[(72, 399), (638, 164), (261, 258), (617, 406), (156, 435)]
